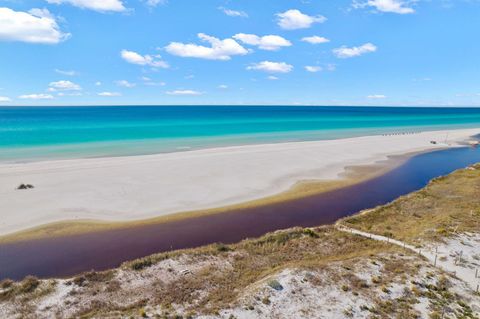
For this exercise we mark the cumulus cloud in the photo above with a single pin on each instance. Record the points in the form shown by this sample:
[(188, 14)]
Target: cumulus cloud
[(315, 39), (5, 99), (271, 67), (40, 96), (184, 92), (267, 42), (223, 86), (272, 78), (146, 60), (35, 26), (219, 49), (393, 6), (233, 13), (313, 69), (376, 96), (346, 52), (109, 94), (125, 84), (294, 19), (63, 86), (97, 5)]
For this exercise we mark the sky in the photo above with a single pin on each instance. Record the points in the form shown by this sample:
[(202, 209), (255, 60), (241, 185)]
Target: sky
[(273, 52)]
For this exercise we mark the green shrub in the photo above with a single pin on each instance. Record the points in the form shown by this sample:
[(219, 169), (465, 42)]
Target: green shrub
[(310, 232), (143, 313), (29, 284), (141, 264), (222, 248), (6, 283)]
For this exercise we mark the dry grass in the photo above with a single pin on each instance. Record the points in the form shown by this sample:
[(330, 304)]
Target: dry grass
[(252, 260), (217, 274), (447, 205), (209, 279)]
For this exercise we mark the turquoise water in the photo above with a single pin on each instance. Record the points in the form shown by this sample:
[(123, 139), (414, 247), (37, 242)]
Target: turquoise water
[(33, 133)]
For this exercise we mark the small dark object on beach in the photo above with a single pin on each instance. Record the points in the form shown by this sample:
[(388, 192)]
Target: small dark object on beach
[(274, 284), (433, 142), (25, 186)]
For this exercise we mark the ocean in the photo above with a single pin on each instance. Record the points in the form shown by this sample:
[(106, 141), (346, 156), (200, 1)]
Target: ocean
[(39, 133)]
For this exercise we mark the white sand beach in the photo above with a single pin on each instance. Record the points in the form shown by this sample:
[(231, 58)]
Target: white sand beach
[(139, 187)]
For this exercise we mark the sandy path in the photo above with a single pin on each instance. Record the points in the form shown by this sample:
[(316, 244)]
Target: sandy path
[(455, 254)]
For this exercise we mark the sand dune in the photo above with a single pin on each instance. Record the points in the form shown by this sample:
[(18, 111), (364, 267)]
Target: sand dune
[(138, 187)]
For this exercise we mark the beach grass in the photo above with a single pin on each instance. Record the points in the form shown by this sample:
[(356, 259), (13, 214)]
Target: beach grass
[(446, 206), (209, 279), (228, 272)]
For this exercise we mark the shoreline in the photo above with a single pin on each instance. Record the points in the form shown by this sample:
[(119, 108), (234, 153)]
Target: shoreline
[(282, 184), (353, 175)]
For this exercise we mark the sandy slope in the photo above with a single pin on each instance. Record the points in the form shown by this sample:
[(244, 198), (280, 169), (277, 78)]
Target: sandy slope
[(457, 256), (137, 187)]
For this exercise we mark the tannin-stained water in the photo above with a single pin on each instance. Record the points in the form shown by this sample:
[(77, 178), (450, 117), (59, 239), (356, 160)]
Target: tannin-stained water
[(68, 255)]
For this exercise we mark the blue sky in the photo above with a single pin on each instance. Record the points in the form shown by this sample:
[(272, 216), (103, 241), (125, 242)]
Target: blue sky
[(346, 52)]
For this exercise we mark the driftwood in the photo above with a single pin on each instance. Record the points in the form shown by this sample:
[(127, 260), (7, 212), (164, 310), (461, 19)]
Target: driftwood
[(25, 186)]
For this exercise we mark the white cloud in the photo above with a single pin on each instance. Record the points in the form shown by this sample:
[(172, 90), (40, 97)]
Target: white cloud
[(35, 26), (223, 86), (233, 13), (154, 3), (421, 79), (376, 96), (125, 84), (315, 39), (63, 86), (267, 42), (272, 67), (98, 83), (148, 81), (294, 19), (313, 69), (393, 6), (155, 83), (109, 94), (63, 72), (331, 67), (97, 5), (272, 78), (219, 50), (345, 52), (69, 94), (184, 92), (40, 96), (146, 60), (5, 99)]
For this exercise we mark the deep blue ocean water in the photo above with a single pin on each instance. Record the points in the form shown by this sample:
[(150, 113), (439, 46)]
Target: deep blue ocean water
[(30, 133)]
